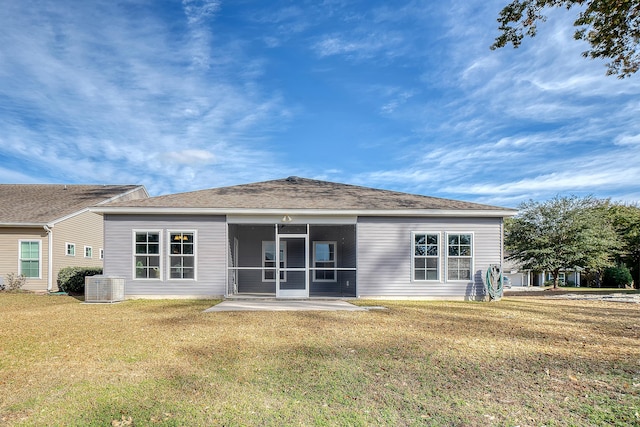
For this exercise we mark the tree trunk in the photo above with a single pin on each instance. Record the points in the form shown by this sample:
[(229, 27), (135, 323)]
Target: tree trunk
[(556, 275)]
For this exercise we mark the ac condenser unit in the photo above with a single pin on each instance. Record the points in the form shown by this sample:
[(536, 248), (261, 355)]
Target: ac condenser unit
[(103, 289)]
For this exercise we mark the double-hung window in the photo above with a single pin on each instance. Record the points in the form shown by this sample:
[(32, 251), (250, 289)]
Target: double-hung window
[(147, 254), (88, 252), (426, 256), (269, 261), (30, 258), (459, 256), (324, 261), (182, 255)]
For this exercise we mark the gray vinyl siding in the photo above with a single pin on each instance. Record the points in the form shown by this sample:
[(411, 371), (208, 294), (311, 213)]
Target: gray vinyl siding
[(210, 254), (385, 256)]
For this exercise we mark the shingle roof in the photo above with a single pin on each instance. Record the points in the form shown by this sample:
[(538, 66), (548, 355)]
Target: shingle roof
[(44, 203), (301, 193)]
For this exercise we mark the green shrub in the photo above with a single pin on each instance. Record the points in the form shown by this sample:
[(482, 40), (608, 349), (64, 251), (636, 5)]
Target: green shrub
[(616, 277), (71, 279)]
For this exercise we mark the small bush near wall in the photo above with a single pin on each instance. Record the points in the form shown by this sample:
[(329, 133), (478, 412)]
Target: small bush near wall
[(13, 282), (71, 279)]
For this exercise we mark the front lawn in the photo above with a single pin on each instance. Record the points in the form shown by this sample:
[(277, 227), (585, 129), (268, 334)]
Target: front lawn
[(523, 361)]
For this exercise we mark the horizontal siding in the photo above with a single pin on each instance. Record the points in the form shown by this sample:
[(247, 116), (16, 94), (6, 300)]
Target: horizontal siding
[(10, 252), (85, 229), (210, 254), (385, 255)]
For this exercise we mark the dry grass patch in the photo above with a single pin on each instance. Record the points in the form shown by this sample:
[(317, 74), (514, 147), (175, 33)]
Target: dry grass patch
[(522, 361)]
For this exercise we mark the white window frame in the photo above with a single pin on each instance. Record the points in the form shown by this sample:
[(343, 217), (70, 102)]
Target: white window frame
[(67, 246), (20, 258), (283, 260), (449, 257), (438, 257), (193, 255), (101, 252), (90, 248), (159, 254), (334, 262)]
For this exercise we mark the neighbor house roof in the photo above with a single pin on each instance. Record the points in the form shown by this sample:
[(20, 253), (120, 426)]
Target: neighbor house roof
[(300, 194), (39, 204)]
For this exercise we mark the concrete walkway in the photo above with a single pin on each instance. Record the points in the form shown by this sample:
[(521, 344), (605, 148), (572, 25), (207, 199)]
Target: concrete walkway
[(284, 305)]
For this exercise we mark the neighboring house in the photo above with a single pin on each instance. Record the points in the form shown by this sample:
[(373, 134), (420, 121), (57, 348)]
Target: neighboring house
[(301, 238), (520, 277), (44, 228)]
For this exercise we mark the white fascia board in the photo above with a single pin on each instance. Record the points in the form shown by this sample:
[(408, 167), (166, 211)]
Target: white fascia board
[(499, 213), (292, 218), (23, 224)]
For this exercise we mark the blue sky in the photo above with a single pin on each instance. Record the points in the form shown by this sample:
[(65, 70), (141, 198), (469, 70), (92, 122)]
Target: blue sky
[(403, 95)]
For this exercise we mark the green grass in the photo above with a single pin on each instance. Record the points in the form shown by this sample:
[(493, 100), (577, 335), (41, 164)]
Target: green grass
[(522, 361)]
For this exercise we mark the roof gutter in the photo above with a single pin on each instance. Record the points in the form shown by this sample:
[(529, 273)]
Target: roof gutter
[(22, 224), (282, 211)]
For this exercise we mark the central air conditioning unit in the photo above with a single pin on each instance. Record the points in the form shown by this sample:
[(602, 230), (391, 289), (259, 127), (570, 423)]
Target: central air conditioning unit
[(103, 289)]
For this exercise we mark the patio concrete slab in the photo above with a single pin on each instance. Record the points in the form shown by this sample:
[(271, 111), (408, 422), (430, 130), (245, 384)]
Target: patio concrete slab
[(284, 305)]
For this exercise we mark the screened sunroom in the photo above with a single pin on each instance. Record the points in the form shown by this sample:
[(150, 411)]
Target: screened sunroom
[(292, 260)]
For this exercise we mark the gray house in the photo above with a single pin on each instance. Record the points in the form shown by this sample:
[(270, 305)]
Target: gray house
[(299, 238)]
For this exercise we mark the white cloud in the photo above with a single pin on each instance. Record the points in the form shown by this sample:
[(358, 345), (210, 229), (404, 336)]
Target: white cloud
[(95, 95), (628, 140), (198, 11), (191, 157)]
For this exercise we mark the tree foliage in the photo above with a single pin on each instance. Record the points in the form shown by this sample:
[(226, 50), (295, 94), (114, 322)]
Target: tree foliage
[(616, 277), (561, 234), (611, 27), (626, 222)]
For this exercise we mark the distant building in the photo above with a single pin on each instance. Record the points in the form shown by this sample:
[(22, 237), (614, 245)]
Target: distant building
[(44, 228)]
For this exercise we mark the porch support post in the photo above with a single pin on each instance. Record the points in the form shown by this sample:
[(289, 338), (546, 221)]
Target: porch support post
[(276, 244)]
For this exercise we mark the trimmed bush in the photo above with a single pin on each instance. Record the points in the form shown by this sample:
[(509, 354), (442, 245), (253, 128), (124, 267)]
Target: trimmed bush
[(71, 279), (616, 277)]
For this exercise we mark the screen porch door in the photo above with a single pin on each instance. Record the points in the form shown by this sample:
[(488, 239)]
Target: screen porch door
[(292, 276)]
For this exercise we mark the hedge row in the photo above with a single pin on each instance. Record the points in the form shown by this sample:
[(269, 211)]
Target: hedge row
[(71, 279)]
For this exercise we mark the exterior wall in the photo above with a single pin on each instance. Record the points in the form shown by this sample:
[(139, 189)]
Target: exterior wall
[(84, 229), (10, 252), (385, 256), (211, 253)]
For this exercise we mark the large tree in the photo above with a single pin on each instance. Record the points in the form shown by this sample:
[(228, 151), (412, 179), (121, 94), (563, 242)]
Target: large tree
[(561, 234), (611, 27), (626, 222)]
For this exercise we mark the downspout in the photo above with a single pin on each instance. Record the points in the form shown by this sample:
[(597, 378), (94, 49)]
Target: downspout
[(49, 231)]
